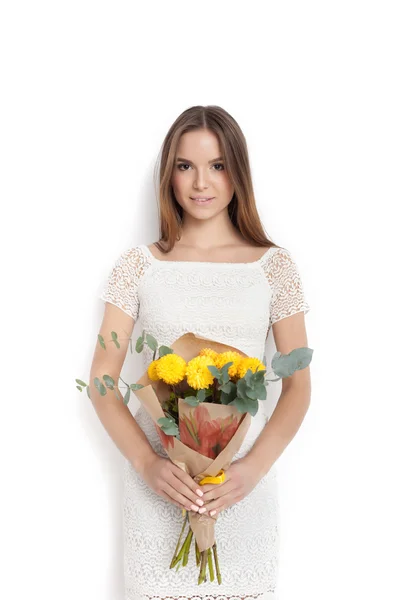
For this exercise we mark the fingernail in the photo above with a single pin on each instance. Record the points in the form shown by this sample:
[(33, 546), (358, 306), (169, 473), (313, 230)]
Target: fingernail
[(212, 513), (201, 510), (199, 492), (200, 502), (194, 507)]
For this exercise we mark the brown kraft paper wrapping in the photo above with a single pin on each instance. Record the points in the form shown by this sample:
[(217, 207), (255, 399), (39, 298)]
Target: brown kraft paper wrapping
[(195, 464)]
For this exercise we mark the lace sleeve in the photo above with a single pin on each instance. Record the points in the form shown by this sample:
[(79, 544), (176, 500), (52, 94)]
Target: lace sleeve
[(288, 295), (122, 284)]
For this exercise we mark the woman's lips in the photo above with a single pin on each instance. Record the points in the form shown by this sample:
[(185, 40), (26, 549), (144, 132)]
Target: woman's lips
[(202, 202)]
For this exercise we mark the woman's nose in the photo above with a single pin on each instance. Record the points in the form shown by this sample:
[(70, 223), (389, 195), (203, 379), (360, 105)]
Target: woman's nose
[(200, 180)]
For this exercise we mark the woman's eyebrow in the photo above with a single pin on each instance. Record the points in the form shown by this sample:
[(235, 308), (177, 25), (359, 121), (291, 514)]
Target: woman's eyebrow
[(186, 160)]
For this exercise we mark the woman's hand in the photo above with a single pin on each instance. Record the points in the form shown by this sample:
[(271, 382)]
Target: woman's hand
[(240, 479), (171, 482)]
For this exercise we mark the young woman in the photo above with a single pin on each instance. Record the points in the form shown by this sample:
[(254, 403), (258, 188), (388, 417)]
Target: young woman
[(213, 272)]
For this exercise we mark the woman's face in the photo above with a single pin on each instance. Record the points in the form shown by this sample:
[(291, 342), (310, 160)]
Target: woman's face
[(199, 171)]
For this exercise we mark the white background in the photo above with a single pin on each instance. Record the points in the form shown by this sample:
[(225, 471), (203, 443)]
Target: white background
[(88, 92)]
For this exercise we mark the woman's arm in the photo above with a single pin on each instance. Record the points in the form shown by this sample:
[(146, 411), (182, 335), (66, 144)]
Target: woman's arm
[(293, 403), (112, 412)]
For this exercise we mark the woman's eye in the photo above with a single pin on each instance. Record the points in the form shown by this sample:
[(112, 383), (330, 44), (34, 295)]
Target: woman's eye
[(187, 165)]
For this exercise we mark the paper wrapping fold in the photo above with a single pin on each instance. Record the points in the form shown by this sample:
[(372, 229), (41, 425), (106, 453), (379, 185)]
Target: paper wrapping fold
[(195, 464)]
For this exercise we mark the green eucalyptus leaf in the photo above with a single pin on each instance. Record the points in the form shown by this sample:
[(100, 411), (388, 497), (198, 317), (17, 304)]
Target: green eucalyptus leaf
[(168, 426), (99, 386), (81, 382), (214, 371), (109, 381), (259, 374), (241, 387), (261, 392), (228, 393), (257, 393), (136, 386), (192, 400), (227, 365), (240, 404), (224, 378), (252, 407), (201, 395), (165, 421), (248, 376), (79, 388), (101, 341), (224, 372), (227, 387), (115, 339), (88, 392), (303, 356), (127, 395), (285, 365), (151, 342), (139, 344), (225, 399), (163, 350), (169, 430)]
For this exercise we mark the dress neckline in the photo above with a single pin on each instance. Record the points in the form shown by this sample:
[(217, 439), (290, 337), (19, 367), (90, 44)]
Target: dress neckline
[(204, 262)]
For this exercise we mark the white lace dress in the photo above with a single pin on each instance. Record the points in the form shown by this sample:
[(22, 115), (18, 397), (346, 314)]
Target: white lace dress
[(236, 304)]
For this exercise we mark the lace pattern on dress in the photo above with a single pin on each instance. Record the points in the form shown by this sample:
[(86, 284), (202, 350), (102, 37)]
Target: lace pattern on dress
[(283, 276), (206, 597), (248, 547), (234, 304), (121, 287)]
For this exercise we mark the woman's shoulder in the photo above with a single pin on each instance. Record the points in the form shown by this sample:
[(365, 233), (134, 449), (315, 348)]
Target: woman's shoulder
[(132, 262)]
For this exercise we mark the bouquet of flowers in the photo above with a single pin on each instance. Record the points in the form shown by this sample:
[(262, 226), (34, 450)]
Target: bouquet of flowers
[(201, 395)]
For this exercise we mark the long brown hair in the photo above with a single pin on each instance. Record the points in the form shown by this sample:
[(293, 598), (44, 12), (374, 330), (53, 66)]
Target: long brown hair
[(242, 208)]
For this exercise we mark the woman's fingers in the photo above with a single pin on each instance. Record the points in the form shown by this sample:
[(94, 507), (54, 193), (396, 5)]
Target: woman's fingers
[(186, 491), (188, 481), (219, 491), (182, 501)]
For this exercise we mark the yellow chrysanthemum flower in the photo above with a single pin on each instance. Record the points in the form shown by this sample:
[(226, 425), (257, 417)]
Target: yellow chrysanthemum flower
[(152, 370), (250, 363), (171, 368), (197, 374), (208, 352), (229, 356)]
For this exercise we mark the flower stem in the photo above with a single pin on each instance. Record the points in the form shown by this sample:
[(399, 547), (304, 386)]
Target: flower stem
[(197, 554), (217, 563), (179, 541), (203, 566), (210, 564), (187, 548), (181, 551), (215, 391)]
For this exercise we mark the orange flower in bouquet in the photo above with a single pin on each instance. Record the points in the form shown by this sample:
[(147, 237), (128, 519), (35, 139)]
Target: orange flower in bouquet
[(209, 437)]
